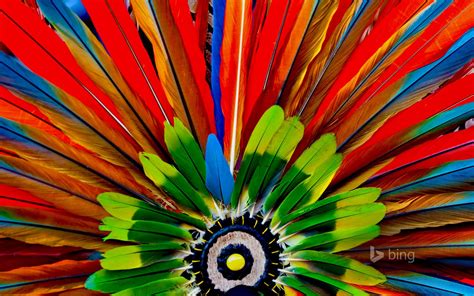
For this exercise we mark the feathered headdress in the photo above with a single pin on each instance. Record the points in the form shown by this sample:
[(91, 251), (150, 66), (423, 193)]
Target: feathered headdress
[(215, 147)]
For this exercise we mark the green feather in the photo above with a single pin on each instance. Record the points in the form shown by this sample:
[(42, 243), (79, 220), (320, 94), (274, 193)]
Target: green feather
[(263, 132), (142, 231), (346, 217), (333, 241), (111, 281), (174, 292), (331, 283), (310, 190), (275, 158), (308, 162), (168, 178), (131, 257), (345, 269), (187, 154), (298, 285), (128, 208), (351, 198), (153, 288)]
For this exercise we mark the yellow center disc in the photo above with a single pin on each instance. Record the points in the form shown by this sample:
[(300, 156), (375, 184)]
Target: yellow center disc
[(235, 262)]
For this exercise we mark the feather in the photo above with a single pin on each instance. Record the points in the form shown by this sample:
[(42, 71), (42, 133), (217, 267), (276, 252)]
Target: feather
[(233, 73), (333, 241), (16, 254), (360, 215), (274, 160), (91, 55), (310, 190), (15, 109), (450, 241), (423, 284), (402, 130), (428, 47), (409, 90), (219, 180), (49, 278), (186, 154), (338, 267), (51, 227), (264, 53), (175, 45), (396, 170), (406, 166), (342, 17), (219, 9), (65, 112), (277, 61), (295, 287), (131, 257), (387, 40), (359, 16), (26, 32), (46, 150), (264, 131), (202, 21), (307, 52), (62, 191), (426, 211), (329, 283), (452, 176), (112, 281), (122, 41), (128, 208), (142, 231), (358, 196), (160, 287), (173, 182), (309, 161)]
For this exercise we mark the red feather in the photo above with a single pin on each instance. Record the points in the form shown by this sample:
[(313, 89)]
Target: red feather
[(388, 136), (383, 31), (120, 36), (23, 32)]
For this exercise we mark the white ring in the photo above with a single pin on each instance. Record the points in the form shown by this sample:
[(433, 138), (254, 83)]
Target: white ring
[(232, 238)]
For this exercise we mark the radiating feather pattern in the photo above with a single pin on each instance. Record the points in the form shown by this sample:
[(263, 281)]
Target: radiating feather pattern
[(127, 130)]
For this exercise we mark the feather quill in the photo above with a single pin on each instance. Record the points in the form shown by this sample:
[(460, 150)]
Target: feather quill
[(233, 73)]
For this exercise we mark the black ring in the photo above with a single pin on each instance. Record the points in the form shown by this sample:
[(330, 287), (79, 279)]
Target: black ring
[(222, 262)]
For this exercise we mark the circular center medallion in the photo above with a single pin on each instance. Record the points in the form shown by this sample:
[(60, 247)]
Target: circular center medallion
[(235, 254)]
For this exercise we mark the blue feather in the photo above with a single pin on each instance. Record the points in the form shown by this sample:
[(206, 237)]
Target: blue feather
[(216, 43), (452, 61), (78, 8), (14, 75), (424, 19), (58, 13), (219, 180), (428, 285), (441, 120), (11, 130), (450, 175)]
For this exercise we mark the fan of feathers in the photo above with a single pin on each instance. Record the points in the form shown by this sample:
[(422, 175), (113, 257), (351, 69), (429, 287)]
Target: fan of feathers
[(247, 147)]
